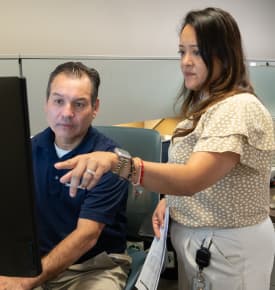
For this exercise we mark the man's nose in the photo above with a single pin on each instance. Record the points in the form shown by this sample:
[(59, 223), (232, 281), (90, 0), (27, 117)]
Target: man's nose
[(68, 110)]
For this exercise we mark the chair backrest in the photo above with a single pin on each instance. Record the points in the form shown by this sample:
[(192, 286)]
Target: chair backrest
[(146, 144)]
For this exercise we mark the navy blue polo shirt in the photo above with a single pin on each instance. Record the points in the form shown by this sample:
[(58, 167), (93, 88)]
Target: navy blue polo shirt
[(58, 213)]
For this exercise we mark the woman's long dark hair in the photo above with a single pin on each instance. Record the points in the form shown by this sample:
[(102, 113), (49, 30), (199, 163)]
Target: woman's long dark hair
[(219, 38)]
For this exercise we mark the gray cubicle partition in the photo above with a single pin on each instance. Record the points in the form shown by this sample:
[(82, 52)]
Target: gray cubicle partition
[(132, 89), (9, 66), (263, 79)]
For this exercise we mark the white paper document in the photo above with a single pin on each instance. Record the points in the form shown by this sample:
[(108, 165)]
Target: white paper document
[(151, 270)]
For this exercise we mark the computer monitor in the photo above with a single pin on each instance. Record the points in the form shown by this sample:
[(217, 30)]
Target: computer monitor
[(19, 250), (165, 147)]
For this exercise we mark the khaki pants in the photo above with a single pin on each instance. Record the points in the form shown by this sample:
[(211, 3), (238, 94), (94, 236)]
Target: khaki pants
[(241, 258), (98, 273)]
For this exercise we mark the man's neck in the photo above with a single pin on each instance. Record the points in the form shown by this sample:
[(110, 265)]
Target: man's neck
[(68, 145), (60, 152)]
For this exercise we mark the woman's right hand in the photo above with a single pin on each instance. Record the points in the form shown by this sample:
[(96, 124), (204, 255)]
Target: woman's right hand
[(158, 217), (86, 169)]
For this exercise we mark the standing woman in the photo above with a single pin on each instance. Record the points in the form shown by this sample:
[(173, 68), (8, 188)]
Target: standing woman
[(217, 179)]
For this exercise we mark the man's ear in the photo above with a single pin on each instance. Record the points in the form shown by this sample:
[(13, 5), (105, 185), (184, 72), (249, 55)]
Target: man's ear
[(95, 108)]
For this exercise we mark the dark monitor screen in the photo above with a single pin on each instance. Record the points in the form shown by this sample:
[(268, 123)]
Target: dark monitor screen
[(19, 251), (165, 147)]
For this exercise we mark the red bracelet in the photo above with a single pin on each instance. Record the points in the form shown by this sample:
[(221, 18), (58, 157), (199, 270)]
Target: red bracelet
[(141, 171)]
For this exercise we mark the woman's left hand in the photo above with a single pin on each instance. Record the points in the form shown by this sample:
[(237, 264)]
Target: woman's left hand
[(158, 217)]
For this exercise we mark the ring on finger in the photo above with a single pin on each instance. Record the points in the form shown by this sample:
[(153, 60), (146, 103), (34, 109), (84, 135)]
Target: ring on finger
[(90, 171)]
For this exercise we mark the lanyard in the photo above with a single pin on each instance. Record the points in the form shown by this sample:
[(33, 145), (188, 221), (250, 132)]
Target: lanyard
[(203, 256)]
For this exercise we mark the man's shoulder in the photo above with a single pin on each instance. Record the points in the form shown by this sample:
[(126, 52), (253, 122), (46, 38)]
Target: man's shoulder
[(41, 136), (103, 142)]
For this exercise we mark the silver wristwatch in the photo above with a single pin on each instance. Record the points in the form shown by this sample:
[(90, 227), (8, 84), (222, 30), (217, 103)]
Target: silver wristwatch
[(124, 158)]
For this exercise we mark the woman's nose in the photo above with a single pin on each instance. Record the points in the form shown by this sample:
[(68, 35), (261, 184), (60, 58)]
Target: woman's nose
[(187, 59)]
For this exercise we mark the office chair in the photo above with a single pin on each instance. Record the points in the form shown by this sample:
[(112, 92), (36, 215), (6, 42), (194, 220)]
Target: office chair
[(146, 144)]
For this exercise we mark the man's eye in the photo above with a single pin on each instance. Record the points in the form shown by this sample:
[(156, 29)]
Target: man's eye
[(79, 105), (59, 101)]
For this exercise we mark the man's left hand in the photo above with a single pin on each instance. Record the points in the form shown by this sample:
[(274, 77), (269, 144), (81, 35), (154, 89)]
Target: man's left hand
[(14, 283)]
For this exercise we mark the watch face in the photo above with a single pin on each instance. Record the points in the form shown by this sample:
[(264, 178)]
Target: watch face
[(122, 153), (123, 160)]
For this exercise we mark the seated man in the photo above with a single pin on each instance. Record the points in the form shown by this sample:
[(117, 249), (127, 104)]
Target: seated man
[(82, 239)]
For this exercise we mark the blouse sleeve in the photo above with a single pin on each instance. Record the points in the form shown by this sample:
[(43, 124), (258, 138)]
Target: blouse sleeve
[(240, 124)]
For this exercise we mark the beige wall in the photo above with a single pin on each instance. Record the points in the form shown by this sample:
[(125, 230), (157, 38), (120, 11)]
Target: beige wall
[(121, 27), (127, 28)]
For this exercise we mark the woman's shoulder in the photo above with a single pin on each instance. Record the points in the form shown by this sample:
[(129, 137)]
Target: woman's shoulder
[(243, 115), (239, 99), (243, 103)]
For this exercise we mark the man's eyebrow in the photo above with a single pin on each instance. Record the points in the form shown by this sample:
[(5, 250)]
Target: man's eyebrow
[(57, 94)]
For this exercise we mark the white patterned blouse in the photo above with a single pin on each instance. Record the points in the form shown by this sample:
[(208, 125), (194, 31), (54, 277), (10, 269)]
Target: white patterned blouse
[(239, 124)]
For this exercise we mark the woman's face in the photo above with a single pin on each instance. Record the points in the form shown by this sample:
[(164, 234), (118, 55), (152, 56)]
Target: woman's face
[(192, 65)]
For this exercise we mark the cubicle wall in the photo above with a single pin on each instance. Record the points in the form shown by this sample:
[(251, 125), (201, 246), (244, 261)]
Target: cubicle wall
[(132, 89), (263, 80), (9, 65)]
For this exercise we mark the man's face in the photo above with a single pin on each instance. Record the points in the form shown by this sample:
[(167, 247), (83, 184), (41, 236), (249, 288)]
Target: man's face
[(69, 109)]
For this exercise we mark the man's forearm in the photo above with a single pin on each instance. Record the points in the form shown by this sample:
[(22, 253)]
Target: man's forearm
[(64, 255)]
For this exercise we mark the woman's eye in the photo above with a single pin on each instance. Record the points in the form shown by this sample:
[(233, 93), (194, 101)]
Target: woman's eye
[(181, 52), (196, 52)]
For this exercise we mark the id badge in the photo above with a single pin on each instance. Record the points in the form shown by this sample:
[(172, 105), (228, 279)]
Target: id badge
[(200, 283)]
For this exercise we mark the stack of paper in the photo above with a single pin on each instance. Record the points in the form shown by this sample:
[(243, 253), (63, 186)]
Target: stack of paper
[(153, 265)]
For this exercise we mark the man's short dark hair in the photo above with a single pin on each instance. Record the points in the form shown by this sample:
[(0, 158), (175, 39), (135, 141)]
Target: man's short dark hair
[(76, 69)]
